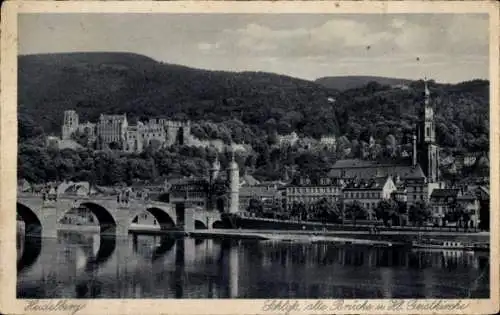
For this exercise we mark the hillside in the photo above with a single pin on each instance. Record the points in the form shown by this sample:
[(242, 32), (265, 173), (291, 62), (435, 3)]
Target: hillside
[(462, 113), (123, 82), (343, 83), (249, 107)]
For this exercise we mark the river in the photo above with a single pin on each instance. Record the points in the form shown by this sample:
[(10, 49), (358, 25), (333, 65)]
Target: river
[(78, 265)]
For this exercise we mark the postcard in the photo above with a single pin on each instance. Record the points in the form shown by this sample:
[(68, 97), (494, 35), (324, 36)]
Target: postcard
[(226, 157)]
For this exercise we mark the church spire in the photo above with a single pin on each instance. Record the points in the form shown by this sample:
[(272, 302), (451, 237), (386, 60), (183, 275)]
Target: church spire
[(427, 93), (428, 152)]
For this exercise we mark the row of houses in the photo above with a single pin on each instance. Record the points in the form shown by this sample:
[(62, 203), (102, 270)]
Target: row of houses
[(369, 183)]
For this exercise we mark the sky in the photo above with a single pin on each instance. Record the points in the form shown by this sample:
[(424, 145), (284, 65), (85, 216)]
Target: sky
[(445, 47)]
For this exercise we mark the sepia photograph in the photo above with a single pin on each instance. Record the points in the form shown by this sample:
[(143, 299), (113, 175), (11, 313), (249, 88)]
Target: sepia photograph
[(262, 155)]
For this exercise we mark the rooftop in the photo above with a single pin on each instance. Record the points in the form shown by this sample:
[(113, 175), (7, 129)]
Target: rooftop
[(371, 184), (444, 193), (367, 169)]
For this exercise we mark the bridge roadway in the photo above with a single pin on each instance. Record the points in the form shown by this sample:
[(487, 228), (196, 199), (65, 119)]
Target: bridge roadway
[(41, 217)]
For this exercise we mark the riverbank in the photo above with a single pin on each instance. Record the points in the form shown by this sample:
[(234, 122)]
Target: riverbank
[(355, 237)]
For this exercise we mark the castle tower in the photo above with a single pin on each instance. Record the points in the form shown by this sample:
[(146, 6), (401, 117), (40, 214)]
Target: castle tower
[(428, 150), (70, 124), (234, 185)]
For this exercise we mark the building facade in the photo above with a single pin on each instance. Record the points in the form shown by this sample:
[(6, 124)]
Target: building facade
[(309, 193), (369, 192), (111, 129)]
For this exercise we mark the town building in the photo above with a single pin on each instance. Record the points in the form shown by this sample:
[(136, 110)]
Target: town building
[(369, 192), (467, 159), (471, 204), (443, 204), (308, 192), (456, 207), (219, 191), (264, 193), (288, 140), (412, 176), (401, 192)]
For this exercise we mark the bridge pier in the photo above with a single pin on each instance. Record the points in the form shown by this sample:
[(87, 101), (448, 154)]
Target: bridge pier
[(123, 220), (189, 217), (48, 220)]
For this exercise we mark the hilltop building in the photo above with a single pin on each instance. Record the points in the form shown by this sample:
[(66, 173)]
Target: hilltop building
[(115, 131), (111, 129), (329, 141), (70, 124), (288, 140)]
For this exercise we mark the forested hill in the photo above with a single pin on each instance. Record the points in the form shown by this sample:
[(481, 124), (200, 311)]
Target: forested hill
[(121, 82), (343, 83), (95, 83), (462, 113), (245, 107)]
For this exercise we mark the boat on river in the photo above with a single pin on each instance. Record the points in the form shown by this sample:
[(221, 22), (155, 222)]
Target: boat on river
[(449, 245)]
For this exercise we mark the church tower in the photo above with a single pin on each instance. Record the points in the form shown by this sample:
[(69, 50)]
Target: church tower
[(428, 157)]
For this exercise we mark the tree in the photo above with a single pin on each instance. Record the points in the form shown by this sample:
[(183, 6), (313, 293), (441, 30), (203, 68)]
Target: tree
[(402, 212), (462, 215), (255, 206), (419, 213), (326, 211), (355, 211), (298, 210), (386, 210), (114, 145)]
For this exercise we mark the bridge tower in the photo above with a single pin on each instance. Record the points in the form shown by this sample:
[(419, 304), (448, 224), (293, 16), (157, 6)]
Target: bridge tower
[(234, 185)]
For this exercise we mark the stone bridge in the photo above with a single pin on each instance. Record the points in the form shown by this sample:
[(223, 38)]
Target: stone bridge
[(41, 217)]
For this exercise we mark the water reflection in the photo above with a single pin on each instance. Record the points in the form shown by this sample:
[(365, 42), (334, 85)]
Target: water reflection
[(28, 250), (142, 266)]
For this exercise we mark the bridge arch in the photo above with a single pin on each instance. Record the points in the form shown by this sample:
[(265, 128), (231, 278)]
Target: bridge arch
[(107, 221), (33, 226), (200, 225), (162, 216), (218, 224)]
